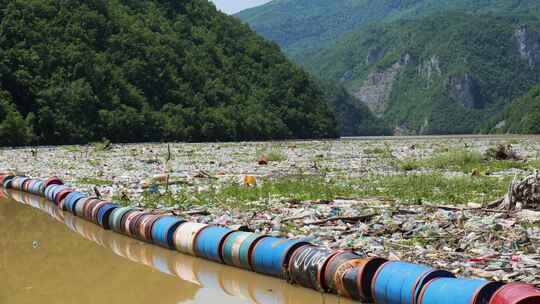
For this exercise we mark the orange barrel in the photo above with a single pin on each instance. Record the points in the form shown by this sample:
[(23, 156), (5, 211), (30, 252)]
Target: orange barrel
[(355, 283), (308, 265), (184, 237), (516, 293)]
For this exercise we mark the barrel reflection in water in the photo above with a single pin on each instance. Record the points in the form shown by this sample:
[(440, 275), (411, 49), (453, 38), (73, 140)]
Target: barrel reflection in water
[(248, 286)]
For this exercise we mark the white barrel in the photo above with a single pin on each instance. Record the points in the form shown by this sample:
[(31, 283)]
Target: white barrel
[(184, 237)]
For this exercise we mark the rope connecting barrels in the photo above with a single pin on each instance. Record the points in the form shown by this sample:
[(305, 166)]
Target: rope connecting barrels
[(366, 279)]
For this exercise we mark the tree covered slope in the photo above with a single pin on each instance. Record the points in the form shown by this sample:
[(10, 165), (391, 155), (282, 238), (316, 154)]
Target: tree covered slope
[(146, 70), (302, 27), (520, 117), (446, 73)]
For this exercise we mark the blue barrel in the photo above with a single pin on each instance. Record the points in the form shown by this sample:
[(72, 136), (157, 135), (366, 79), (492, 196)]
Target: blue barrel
[(104, 213), (115, 219), (71, 199), (271, 255), (209, 242), (163, 230), (400, 282), (458, 291), (237, 248), (48, 191)]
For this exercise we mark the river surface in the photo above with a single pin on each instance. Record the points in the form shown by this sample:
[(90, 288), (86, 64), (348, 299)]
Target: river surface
[(50, 257)]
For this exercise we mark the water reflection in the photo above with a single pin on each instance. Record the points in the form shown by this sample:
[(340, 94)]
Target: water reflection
[(243, 286)]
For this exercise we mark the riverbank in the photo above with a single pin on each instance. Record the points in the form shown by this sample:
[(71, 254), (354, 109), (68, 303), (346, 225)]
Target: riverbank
[(398, 198)]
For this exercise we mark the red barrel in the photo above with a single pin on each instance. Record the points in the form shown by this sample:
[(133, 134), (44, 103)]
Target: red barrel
[(53, 180), (61, 195), (308, 264), (516, 293)]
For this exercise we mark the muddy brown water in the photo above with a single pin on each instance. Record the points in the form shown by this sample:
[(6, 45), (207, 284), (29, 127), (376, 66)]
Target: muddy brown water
[(49, 256)]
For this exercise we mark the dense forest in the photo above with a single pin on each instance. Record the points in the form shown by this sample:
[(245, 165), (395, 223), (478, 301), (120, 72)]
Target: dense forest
[(447, 73), (304, 27), (521, 116), (132, 71), (424, 66)]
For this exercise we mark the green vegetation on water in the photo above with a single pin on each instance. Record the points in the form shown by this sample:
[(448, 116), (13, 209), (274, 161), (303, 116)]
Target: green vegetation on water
[(152, 70), (408, 188), (466, 161)]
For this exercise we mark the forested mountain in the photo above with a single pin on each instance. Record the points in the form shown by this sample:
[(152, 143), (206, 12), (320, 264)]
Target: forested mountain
[(424, 67), (521, 116), (146, 70), (441, 74), (303, 27)]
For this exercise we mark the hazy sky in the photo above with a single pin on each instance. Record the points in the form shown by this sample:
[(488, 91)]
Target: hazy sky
[(234, 6)]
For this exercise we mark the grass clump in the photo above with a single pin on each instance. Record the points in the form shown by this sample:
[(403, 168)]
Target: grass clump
[(94, 181), (272, 155), (464, 160), (410, 188)]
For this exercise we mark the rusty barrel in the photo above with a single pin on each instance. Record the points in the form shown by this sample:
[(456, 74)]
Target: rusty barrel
[(237, 248), (355, 283), (115, 219), (61, 195), (209, 242), (337, 265), (516, 293), (53, 180), (134, 225), (185, 235), (104, 213), (147, 225), (163, 230), (398, 282), (127, 219), (470, 291), (272, 255), (80, 204), (142, 225), (308, 265)]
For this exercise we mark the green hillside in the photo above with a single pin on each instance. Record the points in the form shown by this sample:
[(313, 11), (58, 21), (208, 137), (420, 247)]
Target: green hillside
[(445, 73), (521, 116), (131, 71), (302, 27)]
